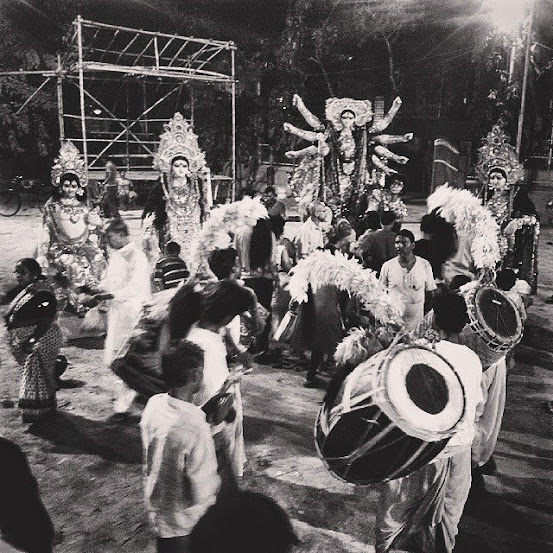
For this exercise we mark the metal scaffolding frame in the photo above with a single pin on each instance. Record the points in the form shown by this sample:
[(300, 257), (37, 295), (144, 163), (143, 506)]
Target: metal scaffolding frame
[(102, 62)]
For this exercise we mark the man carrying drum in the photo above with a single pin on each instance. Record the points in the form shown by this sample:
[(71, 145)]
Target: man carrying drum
[(425, 507)]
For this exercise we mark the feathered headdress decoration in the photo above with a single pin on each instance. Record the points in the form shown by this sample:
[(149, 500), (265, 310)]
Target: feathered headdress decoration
[(497, 153), (464, 211), (179, 140), (357, 346), (334, 107), (223, 220), (69, 160), (324, 268)]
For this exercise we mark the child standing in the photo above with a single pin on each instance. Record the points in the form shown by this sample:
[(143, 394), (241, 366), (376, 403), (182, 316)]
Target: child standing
[(180, 465)]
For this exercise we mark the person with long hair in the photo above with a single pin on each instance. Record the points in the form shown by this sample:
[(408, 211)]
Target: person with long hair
[(255, 249), (35, 340), (439, 242)]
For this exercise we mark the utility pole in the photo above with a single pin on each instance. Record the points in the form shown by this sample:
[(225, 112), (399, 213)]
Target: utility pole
[(525, 79)]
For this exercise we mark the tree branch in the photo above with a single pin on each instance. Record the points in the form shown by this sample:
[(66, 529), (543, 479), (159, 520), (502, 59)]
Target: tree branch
[(318, 61), (391, 65)]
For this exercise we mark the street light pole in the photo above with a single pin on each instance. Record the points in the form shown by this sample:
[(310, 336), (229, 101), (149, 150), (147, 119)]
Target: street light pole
[(525, 79)]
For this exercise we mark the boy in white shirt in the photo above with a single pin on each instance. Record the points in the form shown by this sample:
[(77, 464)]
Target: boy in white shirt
[(180, 465)]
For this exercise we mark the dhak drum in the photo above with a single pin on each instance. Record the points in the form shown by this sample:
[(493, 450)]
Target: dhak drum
[(393, 414), (494, 327), (138, 362)]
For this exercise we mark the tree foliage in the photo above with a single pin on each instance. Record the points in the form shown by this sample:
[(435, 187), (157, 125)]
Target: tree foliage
[(33, 130)]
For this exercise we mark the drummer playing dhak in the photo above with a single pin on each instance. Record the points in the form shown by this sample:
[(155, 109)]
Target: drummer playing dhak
[(409, 276), (425, 507)]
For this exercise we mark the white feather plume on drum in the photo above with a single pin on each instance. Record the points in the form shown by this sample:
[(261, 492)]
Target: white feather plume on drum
[(393, 414), (495, 325)]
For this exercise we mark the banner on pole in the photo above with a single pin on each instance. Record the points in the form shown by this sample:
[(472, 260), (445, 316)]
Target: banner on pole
[(447, 165)]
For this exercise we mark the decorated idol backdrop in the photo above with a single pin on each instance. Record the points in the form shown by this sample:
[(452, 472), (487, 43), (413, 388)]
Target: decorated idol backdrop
[(349, 163)]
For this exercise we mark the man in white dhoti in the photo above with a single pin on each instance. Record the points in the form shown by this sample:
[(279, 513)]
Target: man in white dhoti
[(410, 277), (127, 286), (422, 511), (490, 416)]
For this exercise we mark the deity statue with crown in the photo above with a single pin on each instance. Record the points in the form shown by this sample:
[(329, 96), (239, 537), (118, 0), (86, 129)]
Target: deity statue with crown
[(349, 158), (181, 200), (69, 243), (504, 194)]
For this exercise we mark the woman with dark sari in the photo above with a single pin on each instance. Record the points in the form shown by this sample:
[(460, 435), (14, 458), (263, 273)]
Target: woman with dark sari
[(35, 340)]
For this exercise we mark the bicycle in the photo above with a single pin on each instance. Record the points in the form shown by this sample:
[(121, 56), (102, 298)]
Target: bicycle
[(11, 196)]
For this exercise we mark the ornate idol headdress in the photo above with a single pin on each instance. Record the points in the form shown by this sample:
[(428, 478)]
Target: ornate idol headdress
[(497, 153), (179, 140), (69, 161), (362, 109)]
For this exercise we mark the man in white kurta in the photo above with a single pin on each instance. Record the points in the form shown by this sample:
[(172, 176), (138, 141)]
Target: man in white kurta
[(310, 236), (424, 508), (410, 277), (127, 284)]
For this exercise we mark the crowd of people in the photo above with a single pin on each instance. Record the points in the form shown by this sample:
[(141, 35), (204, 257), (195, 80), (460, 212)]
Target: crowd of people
[(223, 296)]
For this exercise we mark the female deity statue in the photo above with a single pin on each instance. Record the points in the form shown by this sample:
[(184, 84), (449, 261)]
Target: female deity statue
[(182, 199), (68, 248), (354, 150), (500, 174)]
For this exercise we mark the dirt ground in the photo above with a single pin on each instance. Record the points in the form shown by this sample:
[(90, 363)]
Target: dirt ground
[(89, 470)]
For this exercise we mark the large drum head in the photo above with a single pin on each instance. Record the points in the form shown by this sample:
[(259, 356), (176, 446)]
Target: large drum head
[(498, 315), (394, 413), (424, 395)]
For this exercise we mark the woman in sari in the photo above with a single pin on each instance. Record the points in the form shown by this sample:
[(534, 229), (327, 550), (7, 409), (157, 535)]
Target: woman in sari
[(35, 340)]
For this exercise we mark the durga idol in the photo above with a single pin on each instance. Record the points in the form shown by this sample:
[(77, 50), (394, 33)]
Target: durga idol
[(182, 198)]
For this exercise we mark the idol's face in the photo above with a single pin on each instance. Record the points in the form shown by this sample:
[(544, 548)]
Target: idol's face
[(497, 180), (396, 187), (180, 168), (347, 118), (69, 188)]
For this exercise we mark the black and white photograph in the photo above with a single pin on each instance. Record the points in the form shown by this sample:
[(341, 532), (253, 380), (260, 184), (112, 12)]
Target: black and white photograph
[(276, 276)]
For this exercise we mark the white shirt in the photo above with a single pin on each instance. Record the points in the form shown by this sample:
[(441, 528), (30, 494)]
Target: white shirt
[(180, 466), (128, 279), (215, 362), (514, 296), (310, 237), (467, 365), (128, 275), (410, 286)]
